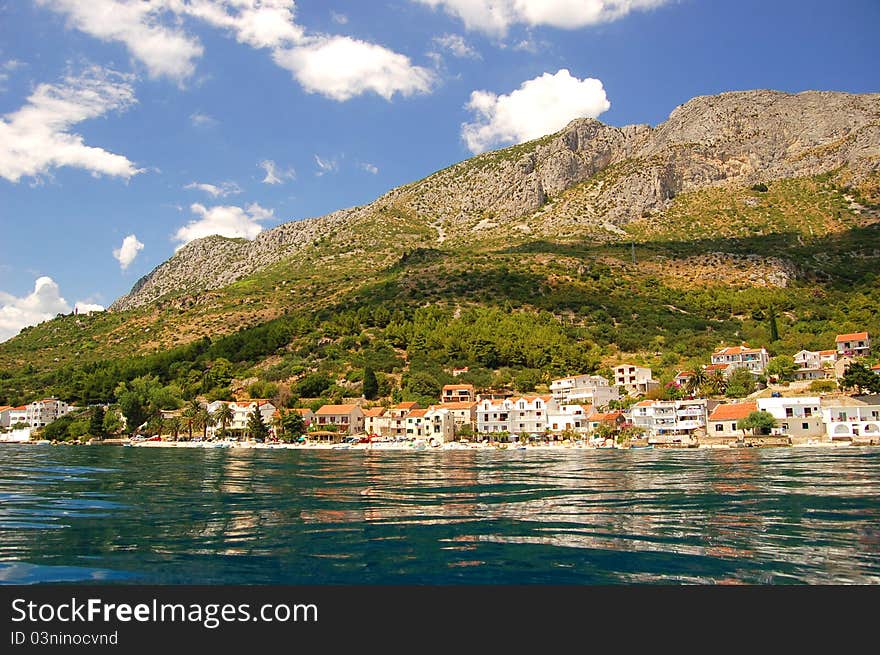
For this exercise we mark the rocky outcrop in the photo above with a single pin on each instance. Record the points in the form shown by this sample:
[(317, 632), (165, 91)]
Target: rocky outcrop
[(587, 173)]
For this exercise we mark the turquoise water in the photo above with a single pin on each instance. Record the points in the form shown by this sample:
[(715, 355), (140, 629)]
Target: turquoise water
[(166, 516)]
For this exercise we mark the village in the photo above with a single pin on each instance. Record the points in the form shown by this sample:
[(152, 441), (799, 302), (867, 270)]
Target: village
[(585, 410)]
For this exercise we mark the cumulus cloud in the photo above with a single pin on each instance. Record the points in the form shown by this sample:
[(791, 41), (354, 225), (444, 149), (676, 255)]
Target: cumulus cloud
[(538, 107), (326, 166), (44, 303), (338, 67), (370, 168), (225, 220), (128, 251), (216, 190), (341, 67), (275, 174), (37, 137), (495, 17), (455, 44), (83, 307), (165, 51)]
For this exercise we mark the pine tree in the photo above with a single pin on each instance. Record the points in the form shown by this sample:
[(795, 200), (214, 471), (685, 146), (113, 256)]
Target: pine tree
[(371, 384), (774, 329), (256, 426), (96, 424)]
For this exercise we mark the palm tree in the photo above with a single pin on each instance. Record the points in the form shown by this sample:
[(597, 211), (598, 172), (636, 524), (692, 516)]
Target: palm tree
[(206, 420), (173, 425), (191, 414), (696, 381), (716, 384), (223, 415)]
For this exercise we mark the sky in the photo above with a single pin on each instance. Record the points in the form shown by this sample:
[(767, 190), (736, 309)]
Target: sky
[(130, 127)]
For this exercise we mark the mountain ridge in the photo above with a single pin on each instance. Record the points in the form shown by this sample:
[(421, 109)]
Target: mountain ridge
[(587, 178)]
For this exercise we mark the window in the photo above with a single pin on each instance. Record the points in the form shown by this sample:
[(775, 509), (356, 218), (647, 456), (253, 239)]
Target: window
[(789, 412), (719, 427), (805, 426), (785, 426), (808, 411)]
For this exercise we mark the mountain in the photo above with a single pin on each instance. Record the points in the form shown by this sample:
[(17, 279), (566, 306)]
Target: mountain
[(562, 254), (622, 174)]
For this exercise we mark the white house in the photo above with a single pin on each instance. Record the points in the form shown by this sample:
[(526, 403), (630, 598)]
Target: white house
[(637, 380), (584, 390), (18, 415), (42, 412), (435, 424), (463, 413), (846, 417), (724, 419), (346, 418), (670, 420), (799, 418), (241, 413), (569, 417), (452, 393), (4, 415), (754, 359), (814, 364), (377, 422), (524, 414), (397, 418), (855, 344)]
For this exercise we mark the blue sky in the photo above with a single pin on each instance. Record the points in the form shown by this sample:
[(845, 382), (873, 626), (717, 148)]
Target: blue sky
[(129, 127)]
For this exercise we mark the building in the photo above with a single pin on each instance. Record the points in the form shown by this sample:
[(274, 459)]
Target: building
[(307, 414), (848, 418), (855, 344), (876, 368), (377, 422), (241, 414), (799, 418), (459, 371), (518, 415), (814, 364), (637, 380), (346, 418), (42, 412), (463, 413), (683, 377), (668, 421), (615, 420), (584, 390), (397, 419), (436, 424), (4, 415), (754, 359), (724, 419), (569, 418), (18, 415), (458, 393)]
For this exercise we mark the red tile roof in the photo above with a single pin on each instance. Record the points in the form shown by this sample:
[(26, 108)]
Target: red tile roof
[(335, 409), (406, 405), (737, 350), (457, 387), (417, 413), (854, 336), (733, 411), (374, 411)]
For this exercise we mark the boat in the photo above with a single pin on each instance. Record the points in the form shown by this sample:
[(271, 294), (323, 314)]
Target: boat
[(645, 447)]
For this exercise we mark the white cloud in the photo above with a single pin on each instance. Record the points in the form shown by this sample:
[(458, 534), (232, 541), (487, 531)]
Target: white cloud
[(203, 120), (339, 19), (225, 220), (41, 305), (83, 307), (274, 174), (36, 138), (540, 106), (165, 51), (340, 68), (496, 16), (128, 251), (370, 168), (456, 44), (326, 166), (214, 190)]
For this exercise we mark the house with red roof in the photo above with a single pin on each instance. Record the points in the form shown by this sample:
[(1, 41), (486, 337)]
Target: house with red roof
[(458, 393), (376, 422), (346, 418), (754, 359), (854, 344), (724, 419)]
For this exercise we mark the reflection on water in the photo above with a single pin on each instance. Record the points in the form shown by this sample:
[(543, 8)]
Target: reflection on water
[(105, 514)]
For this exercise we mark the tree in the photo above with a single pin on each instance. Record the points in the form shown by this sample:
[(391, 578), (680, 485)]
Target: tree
[(223, 415), (256, 426), (143, 398), (191, 414), (696, 382), (740, 384), (716, 384), (859, 377), (758, 422), (782, 368), (112, 422), (292, 424), (205, 420), (96, 422), (371, 384), (774, 329), (173, 425)]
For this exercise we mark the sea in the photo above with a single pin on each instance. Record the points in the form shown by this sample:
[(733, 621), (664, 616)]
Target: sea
[(115, 515)]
